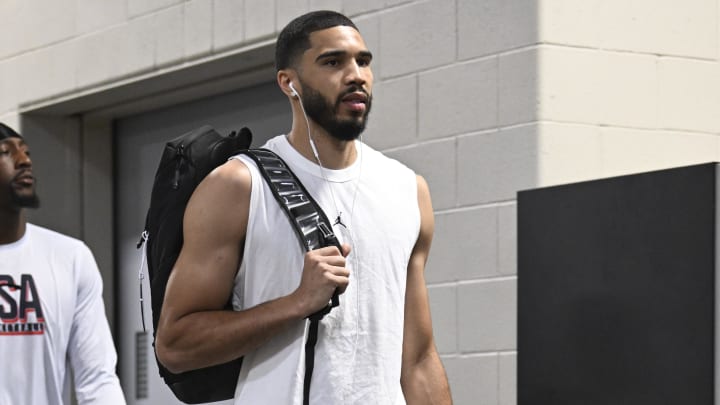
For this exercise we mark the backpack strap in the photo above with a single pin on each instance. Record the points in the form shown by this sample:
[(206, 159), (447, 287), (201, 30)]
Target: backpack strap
[(308, 219), (311, 226)]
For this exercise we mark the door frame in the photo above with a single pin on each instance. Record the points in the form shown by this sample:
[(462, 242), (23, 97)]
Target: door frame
[(76, 131)]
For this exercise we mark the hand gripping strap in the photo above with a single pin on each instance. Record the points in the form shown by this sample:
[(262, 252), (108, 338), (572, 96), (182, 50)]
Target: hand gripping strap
[(311, 226), (306, 217)]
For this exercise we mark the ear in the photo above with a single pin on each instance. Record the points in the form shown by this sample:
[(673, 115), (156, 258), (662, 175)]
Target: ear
[(284, 79)]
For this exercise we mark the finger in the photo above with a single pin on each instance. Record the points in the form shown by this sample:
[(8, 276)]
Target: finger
[(340, 282), (337, 271), (346, 249), (335, 261), (327, 251)]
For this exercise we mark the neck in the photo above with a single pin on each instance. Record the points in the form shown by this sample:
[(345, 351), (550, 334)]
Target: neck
[(12, 226), (334, 153)]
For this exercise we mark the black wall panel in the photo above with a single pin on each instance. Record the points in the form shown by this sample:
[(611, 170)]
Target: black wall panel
[(616, 290)]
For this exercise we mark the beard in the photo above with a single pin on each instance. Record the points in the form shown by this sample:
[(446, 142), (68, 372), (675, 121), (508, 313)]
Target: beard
[(24, 200), (325, 114)]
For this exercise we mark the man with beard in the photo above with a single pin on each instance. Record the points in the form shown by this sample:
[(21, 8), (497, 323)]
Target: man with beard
[(377, 346), (52, 315)]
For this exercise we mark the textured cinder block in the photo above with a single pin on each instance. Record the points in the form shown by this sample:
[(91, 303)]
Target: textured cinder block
[(660, 26), (93, 15), (169, 35), (354, 7), (435, 161), (507, 239), (9, 84), (286, 10), (12, 40), (198, 31), (458, 99), (491, 26), (627, 151), (689, 94), (439, 267), (143, 7), (259, 18), (369, 27), (40, 23), (493, 166), (416, 37), (393, 120), (568, 153), (473, 379), (649, 26), (443, 308), (11, 119), (335, 5), (465, 246), (115, 53), (228, 24), (94, 47), (571, 22), (52, 70), (508, 379), (518, 83), (487, 315), (571, 153), (590, 86)]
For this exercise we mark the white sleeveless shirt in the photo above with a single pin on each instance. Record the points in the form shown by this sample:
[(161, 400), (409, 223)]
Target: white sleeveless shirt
[(359, 349)]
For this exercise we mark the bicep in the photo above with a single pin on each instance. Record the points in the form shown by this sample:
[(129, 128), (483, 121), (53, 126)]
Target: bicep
[(213, 231)]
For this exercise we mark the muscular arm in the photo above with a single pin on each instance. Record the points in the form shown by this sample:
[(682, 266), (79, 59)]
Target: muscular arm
[(423, 377), (194, 331)]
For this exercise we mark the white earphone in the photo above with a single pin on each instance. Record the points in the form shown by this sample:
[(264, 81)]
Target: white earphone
[(294, 92)]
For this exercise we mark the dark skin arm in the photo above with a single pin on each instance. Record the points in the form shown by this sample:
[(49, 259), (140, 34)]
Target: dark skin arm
[(423, 377), (194, 331)]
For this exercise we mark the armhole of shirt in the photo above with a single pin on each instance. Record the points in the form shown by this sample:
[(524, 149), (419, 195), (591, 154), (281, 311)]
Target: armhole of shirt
[(255, 184)]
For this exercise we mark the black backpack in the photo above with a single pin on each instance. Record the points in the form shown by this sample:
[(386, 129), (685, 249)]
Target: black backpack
[(185, 162)]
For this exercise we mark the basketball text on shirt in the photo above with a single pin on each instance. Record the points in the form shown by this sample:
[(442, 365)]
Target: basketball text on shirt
[(20, 309)]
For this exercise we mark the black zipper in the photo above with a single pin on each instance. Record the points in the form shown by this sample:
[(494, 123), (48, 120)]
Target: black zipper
[(178, 164)]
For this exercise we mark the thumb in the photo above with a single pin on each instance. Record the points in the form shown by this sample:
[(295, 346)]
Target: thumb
[(346, 249)]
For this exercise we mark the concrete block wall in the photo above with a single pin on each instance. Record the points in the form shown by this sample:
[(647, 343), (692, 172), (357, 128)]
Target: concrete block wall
[(626, 87), (457, 100), (451, 80), (537, 93), (481, 97)]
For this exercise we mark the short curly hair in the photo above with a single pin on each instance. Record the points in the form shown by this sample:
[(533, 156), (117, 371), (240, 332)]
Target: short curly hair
[(294, 39)]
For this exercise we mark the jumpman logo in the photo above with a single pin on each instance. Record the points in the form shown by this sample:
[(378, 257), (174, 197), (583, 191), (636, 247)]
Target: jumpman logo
[(338, 221)]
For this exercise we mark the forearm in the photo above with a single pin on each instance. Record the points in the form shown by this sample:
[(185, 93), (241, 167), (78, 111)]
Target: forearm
[(207, 338), (425, 382)]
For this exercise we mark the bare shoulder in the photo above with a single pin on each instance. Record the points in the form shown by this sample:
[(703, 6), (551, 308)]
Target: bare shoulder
[(427, 223), (423, 188), (227, 185), (424, 203), (218, 209), (230, 177)]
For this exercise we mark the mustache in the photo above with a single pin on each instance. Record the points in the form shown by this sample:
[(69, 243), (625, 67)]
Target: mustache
[(354, 89), (23, 173), (350, 90)]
